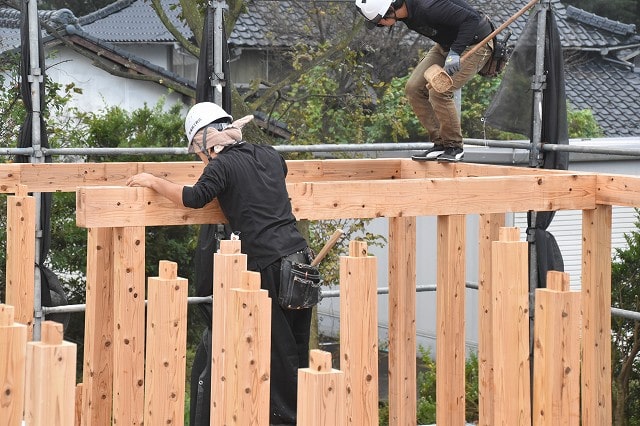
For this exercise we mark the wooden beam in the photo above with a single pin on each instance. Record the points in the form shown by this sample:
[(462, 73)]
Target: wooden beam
[(618, 190), (490, 225), (402, 321), (596, 316), (450, 335), (66, 177), (97, 368), (129, 320), (124, 206)]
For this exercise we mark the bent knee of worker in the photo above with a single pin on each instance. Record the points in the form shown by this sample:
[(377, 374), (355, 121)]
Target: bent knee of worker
[(416, 89)]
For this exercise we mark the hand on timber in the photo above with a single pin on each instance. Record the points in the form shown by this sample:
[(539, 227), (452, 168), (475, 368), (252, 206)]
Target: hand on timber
[(141, 179)]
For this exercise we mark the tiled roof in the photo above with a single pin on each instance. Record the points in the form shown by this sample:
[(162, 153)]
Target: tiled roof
[(611, 92), (578, 29), (133, 21)]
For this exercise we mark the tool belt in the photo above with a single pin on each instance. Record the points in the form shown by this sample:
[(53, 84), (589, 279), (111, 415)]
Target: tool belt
[(499, 56), (299, 281)]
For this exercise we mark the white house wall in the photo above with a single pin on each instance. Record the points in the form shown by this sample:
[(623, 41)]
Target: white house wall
[(101, 89)]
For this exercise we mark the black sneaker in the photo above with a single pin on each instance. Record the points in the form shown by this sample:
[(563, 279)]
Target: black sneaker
[(451, 154), (431, 154)]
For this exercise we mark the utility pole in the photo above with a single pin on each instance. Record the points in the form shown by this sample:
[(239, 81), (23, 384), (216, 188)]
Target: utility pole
[(36, 80)]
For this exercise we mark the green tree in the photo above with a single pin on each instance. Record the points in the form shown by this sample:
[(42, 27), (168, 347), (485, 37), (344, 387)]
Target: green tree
[(625, 346)]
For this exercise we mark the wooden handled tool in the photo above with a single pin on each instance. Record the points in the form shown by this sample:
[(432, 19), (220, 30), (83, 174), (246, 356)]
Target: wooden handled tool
[(438, 78), (328, 246)]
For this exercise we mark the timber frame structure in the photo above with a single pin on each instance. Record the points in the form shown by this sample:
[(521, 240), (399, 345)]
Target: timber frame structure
[(399, 189)]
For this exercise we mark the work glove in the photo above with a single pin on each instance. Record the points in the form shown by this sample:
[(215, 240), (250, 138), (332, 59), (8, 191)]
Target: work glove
[(452, 63)]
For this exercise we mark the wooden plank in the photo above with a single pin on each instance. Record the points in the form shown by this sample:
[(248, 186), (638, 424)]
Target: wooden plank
[(343, 169), (228, 265), (166, 347), (450, 312), (321, 392), (510, 286), (418, 197), (13, 353), (596, 316), (21, 254), (118, 206), (556, 376), (247, 365), (359, 334), (402, 321), (618, 190), (129, 320), (51, 379), (488, 233), (127, 206), (97, 369), (66, 177)]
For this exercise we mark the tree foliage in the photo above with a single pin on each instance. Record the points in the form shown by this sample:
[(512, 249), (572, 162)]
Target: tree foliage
[(625, 346)]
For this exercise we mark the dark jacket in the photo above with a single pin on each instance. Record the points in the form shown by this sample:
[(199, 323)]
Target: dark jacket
[(249, 183), (453, 24)]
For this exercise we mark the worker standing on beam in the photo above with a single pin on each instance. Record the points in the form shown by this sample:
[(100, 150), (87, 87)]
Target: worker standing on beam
[(249, 182), (455, 26)]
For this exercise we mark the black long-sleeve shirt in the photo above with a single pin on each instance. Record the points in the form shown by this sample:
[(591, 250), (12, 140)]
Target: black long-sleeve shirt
[(249, 182), (453, 24)]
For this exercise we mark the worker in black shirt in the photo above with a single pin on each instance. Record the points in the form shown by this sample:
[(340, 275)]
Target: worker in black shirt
[(455, 26), (249, 182)]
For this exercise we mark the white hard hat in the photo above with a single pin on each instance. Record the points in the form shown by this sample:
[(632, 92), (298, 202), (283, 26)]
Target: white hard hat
[(200, 115), (373, 10)]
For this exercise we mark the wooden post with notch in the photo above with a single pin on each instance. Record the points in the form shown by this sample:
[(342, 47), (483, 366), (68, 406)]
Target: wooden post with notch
[(228, 265), (321, 392), (359, 334), (556, 376), (510, 319), (51, 379), (166, 349), (248, 356)]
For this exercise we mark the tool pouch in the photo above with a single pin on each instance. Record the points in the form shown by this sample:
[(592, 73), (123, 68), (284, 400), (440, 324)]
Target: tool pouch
[(299, 281), (499, 57)]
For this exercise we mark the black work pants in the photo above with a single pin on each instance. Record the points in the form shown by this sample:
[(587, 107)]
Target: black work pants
[(290, 331)]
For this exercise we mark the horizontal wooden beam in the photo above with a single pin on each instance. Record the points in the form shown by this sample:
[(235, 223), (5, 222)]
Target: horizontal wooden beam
[(67, 177), (618, 190), (123, 206)]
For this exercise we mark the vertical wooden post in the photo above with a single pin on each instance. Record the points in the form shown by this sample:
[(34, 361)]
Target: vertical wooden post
[(13, 352), (77, 421), (596, 316), (21, 255), (248, 342), (490, 225), (556, 376), (321, 392), (97, 372), (51, 372), (450, 337), (402, 321), (229, 263), (166, 347), (359, 334), (129, 319), (510, 284)]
